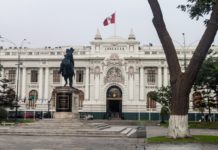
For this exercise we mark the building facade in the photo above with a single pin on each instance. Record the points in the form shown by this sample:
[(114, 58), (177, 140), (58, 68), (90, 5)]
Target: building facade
[(115, 76)]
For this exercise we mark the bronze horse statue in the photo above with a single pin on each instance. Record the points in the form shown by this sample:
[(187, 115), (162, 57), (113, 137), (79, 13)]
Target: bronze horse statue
[(67, 67)]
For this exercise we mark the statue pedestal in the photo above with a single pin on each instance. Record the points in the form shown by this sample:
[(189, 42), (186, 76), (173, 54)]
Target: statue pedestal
[(65, 101)]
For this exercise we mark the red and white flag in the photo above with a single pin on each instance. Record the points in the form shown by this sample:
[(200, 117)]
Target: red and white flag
[(109, 20)]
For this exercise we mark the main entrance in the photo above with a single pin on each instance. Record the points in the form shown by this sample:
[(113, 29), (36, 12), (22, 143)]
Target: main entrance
[(114, 102)]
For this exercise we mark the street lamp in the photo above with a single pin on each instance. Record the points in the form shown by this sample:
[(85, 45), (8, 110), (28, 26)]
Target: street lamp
[(184, 46), (18, 71), (49, 104)]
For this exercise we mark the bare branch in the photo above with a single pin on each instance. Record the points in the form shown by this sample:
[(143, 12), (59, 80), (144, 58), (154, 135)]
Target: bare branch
[(166, 40)]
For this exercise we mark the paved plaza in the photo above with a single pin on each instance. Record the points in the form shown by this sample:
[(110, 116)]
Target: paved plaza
[(68, 143), (77, 135)]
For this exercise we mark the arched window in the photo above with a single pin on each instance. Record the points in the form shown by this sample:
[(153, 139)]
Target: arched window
[(33, 96), (150, 103), (114, 92)]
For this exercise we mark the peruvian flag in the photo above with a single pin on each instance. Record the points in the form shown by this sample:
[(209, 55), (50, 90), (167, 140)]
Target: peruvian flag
[(109, 20)]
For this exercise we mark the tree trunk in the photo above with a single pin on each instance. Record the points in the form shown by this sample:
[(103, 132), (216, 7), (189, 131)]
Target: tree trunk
[(178, 122), (178, 126), (181, 83)]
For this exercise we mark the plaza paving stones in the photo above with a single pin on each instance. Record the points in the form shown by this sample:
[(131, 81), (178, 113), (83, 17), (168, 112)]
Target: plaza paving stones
[(81, 135), (58, 127), (69, 143)]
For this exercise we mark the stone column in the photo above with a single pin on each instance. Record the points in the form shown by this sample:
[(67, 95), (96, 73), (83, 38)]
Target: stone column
[(18, 82), (159, 75), (23, 94), (97, 86), (165, 76), (87, 84), (141, 83), (131, 86), (46, 83), (40, 83)]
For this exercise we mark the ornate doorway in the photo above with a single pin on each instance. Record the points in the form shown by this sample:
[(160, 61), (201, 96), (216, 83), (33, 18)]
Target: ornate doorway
[(114, 102)]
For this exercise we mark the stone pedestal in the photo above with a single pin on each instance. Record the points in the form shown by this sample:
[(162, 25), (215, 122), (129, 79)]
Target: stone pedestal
[(65, 101)]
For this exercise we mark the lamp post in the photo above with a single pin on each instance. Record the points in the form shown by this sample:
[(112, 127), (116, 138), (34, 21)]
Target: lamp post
[(18, 72), (184, 46), (49, 104)]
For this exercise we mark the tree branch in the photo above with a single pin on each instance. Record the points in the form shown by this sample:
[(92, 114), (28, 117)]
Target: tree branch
[(203, 46), (168, 46)]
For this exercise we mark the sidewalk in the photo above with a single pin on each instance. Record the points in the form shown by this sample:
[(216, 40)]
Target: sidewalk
[(162, 131), (182, 146), (153, 131)]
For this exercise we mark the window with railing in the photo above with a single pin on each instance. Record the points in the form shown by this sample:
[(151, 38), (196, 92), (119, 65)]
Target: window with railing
[(33, 96), (79, 76), (56, 76), (151, 76), (34, 76), (12, 76)]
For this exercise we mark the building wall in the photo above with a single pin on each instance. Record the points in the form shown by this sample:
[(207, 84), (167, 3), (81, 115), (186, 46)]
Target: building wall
[(98, 61)]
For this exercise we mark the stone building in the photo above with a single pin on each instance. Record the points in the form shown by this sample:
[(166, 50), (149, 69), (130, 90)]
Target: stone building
[(114, 75)]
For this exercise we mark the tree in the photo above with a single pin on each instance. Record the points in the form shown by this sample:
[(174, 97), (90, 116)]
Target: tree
[(162, 96), (7, 94), (181, 82), (206, 84)]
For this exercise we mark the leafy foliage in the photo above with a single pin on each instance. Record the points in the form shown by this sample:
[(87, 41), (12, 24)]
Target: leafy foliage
[(0, 69), (198, 8), (7, 95), (206, 85), (3, 113), (162, 96)]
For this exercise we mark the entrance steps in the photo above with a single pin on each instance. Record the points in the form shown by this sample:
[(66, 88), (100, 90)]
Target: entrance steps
[(65, 115), (59, 127)]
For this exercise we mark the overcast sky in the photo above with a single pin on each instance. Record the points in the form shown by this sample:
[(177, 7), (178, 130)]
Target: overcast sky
[(74, 22)]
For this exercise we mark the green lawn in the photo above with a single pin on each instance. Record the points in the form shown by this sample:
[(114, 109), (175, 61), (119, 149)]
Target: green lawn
[(193, 139), (199, 125)]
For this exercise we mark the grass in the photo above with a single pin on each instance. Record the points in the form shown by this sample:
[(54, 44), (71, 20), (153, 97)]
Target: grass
[(194, 139), (199, 125), (203, 125)]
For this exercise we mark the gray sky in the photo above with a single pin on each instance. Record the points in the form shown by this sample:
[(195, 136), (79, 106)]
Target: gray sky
[(74, 22)]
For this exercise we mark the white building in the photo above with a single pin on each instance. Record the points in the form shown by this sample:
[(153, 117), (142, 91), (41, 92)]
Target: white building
[(115, 75)]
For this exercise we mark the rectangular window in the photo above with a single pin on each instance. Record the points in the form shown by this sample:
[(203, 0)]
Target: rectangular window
[(34, 76), (151, 76), (79, 76), (56, 76), (12, 76)]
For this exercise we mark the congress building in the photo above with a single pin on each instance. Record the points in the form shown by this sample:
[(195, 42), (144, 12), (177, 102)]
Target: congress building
[(113, 75)]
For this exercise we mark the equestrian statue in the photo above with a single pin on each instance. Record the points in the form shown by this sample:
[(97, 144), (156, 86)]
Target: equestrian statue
[(67, 67)]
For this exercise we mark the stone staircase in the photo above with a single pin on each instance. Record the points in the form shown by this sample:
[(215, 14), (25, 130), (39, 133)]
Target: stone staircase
[(127, 131), (58, 127)]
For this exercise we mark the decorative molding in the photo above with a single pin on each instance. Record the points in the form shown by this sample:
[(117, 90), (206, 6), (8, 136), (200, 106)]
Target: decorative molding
[(114, 60), (114, 74)]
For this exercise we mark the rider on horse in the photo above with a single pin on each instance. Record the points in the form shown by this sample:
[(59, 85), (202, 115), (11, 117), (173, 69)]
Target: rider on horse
[(67, 67)]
